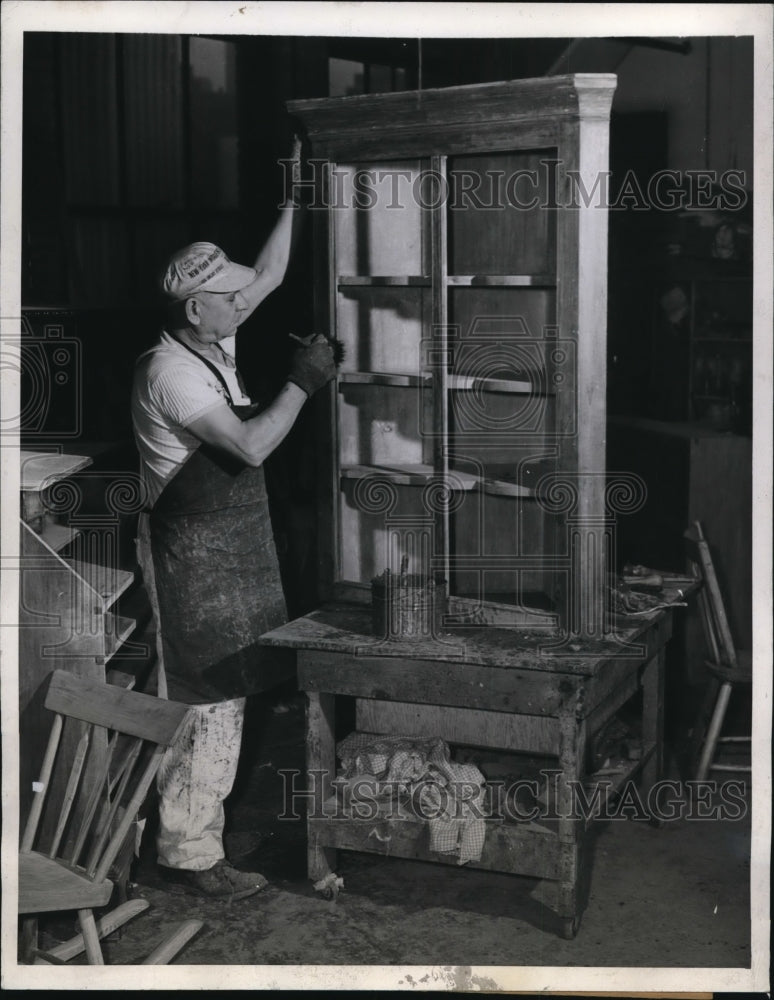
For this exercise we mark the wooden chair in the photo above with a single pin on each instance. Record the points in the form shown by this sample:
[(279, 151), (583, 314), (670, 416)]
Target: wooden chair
[(100, 802), (728, 665)]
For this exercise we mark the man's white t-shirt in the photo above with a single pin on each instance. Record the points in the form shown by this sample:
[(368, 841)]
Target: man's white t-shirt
[(172, 388)]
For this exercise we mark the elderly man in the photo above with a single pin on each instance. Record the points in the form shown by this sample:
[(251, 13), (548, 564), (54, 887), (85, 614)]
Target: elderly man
[(206, 547)]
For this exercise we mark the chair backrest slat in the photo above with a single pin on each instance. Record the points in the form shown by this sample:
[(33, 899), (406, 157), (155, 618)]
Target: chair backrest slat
[(98, 792), (70, 791), (115, 795), (42, 786), (141, 790)]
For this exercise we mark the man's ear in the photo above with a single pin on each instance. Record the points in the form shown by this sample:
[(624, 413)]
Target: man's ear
[(192, 312)]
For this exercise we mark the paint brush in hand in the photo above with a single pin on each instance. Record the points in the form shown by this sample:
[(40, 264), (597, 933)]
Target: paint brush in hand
[(336, 345)]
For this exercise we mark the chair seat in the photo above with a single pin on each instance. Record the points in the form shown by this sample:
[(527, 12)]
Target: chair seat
[(741, 674), (45, 884)]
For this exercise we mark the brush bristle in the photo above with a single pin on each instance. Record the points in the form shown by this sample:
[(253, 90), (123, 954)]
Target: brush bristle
[(339, 351)]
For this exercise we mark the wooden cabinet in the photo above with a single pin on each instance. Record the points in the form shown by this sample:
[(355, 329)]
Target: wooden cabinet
[(462, 262)]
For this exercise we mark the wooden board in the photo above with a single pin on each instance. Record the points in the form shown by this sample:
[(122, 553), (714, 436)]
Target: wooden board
[(440, 683), (466, 726), (453, 119), (109, 582), (525, 849), (346, 629)]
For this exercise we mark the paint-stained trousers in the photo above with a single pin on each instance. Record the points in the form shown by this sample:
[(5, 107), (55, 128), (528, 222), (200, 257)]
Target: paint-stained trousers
[(198, 770)]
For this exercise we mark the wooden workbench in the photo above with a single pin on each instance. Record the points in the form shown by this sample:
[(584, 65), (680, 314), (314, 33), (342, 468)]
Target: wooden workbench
[(490, 688)]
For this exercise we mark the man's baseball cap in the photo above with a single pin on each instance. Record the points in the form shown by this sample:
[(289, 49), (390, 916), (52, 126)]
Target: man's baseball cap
[(203, 267)]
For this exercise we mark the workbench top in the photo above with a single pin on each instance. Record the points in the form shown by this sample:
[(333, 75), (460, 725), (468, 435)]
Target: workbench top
[(346, 628)]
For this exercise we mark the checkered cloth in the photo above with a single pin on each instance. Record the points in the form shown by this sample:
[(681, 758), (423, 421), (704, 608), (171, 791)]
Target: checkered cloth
[(456, 813), (447, 795), (391, 757)]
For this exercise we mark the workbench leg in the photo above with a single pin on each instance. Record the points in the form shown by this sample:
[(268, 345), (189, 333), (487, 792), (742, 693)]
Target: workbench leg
[(321, 770), (653, 719), (572, 738)]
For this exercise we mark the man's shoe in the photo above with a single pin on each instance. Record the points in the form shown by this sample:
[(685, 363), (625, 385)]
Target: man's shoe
[(222, 881)]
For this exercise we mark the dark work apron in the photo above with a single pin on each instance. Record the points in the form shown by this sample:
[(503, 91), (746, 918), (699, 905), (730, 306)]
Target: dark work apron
[(217, 575)]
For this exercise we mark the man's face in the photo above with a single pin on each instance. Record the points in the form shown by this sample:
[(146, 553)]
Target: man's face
[(220, 313)]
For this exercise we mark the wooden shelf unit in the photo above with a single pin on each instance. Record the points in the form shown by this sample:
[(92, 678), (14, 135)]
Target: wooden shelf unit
[(469, 292), (67, 606)]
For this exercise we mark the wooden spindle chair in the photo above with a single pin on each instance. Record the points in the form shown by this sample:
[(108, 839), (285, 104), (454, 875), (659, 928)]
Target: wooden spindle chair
[(728, 665), (100, 803)]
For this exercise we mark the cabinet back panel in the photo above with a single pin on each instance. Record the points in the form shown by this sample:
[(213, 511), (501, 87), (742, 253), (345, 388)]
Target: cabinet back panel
[(380, 425), (381, 328), (379, 224), (489, 529), (501, 332), (369, 545), (499, 222)]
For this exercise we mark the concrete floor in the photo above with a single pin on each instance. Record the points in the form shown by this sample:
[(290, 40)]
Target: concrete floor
[(670, 897)]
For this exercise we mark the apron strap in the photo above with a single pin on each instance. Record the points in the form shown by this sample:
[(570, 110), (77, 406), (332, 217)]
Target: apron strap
[(218, 374)]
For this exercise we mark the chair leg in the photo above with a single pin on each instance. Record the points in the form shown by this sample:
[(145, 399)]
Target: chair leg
[(90, 937), (105, 925), (713, 731), (28, 939), (700, 726)]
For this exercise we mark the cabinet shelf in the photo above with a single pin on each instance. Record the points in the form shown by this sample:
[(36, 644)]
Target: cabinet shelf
[(461, 383), (58, 536), (383, 281), (383, 378), (457, 383), (502, 280), (420, 474), (40, 470), (107, 581), (453, 280), (117, 631)]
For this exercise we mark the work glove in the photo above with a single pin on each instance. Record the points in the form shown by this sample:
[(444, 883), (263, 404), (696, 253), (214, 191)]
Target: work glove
[(313, 365)]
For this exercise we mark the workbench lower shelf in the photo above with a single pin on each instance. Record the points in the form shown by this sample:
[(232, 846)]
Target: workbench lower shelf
[(529, 847), (400, 834)]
